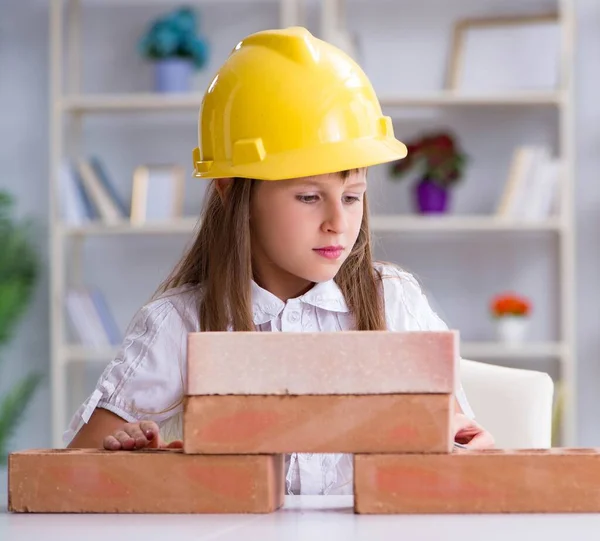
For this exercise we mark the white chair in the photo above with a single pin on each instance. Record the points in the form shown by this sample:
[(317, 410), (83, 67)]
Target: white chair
[(513, 404)]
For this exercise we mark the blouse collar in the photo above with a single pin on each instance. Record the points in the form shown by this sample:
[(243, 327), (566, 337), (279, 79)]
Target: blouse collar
[(325, 295)]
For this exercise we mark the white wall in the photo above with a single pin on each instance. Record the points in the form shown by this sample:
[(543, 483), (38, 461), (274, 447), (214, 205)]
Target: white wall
[(461, 275)]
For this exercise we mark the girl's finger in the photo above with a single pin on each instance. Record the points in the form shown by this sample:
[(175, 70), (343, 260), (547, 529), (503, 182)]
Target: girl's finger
[(126, 441), (177, 444), (111, 443), (467, 426), (136, 433), (467, 433), (482, 440), (150, 429)]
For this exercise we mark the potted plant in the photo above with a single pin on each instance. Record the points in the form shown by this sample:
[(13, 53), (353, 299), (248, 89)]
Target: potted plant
[(439, 164), (511, 312), (172, 44), (18, 275)]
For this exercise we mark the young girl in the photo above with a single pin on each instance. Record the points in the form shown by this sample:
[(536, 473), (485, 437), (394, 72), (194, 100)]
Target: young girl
[(287, 130)]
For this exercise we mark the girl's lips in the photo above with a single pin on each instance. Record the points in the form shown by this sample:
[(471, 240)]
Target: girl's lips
[(330, 252)]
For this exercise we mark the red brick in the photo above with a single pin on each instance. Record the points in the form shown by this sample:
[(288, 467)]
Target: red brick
[(145, 481), (344, 363), (318, 424), (493, 481)]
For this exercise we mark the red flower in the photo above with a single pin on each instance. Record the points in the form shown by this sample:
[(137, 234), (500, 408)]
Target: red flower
[(435, 156), (444, 142), (509, 304)]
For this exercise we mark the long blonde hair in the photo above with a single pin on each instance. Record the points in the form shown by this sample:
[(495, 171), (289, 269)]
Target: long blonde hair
[(219, 261)]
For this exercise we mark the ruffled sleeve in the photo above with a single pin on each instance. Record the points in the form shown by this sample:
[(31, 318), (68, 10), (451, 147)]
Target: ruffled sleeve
[(407, 309), (145, 379)]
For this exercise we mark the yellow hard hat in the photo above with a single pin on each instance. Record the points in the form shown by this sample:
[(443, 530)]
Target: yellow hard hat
[(286, 105)]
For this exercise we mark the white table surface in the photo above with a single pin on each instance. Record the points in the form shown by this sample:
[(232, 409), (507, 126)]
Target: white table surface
[(309, 518)]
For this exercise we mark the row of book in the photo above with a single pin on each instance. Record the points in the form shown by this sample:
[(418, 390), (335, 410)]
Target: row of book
[(532, 189), (91, 320), (89, 194)]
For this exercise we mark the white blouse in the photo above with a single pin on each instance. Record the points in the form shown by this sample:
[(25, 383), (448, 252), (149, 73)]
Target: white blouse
[(146, 378)]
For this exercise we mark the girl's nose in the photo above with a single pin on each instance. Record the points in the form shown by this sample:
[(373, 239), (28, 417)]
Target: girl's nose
[(335, 220)]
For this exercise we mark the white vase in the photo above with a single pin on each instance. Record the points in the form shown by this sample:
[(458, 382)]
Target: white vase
[(512, 329)]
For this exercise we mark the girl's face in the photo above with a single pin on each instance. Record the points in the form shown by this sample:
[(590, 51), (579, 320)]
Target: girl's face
[(304, 229)]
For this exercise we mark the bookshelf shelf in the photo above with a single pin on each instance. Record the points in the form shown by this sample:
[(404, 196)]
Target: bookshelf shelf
[(443, 99), (492, 350), (480, 350), (183, 226), (77, 353), (476, 224), (133, 102), (378, 223), (100, 103)]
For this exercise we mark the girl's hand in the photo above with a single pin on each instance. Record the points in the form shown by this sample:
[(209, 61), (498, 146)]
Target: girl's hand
[(470, 433), (139, 436)]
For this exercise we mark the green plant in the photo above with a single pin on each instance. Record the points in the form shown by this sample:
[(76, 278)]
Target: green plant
[(19, 268), (437, 158), (174, 36)]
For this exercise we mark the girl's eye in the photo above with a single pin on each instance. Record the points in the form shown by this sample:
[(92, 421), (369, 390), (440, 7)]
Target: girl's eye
[(307, 198), (347, 199)]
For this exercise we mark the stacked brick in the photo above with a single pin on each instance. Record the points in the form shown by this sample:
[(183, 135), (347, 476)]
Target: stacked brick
[(385, 397), (346, 392)]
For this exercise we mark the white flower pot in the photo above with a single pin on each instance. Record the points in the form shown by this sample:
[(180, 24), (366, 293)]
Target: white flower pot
[(512, 329)]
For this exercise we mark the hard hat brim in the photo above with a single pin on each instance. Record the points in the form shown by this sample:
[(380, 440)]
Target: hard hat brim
[(320, 160)]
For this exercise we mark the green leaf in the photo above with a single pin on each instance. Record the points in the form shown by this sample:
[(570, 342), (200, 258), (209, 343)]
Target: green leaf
[(19, 269), (12, 410)]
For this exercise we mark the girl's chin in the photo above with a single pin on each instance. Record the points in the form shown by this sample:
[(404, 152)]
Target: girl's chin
[(321, 273)]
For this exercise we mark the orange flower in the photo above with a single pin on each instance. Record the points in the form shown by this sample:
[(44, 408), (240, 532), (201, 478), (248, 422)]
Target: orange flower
[(510, 304)]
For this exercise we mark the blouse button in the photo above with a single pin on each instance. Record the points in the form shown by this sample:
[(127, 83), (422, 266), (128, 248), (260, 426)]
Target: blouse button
[(293, 317)]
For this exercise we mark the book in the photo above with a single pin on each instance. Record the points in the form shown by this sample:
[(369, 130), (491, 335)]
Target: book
[(91, 318), (107, 209), (532, 185), (102, 174), (82, 320), (109, 325), (72, 207), (543, 190)]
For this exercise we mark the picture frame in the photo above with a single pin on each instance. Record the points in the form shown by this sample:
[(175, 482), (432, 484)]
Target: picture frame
[(504, 54), (157, 194)]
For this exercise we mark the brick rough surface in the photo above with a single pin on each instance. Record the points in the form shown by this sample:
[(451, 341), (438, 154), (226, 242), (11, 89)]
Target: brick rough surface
[(348, 362), (318, 424), (145, 481), (493, 481)]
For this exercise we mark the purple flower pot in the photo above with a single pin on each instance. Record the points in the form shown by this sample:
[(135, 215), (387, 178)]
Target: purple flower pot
[(173, 75), (430, 198)]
